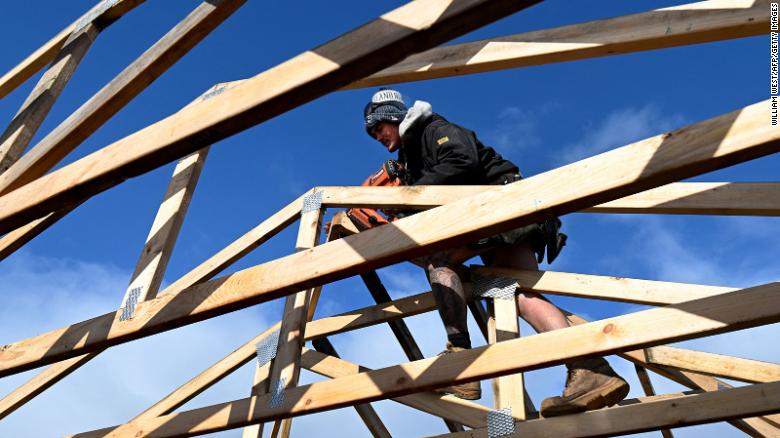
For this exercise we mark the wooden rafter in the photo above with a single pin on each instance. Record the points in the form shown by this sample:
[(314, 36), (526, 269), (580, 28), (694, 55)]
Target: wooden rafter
[(98, 15), (342, 226), (286, 366), (146, 278), (653, 413), (735, 310), (319, 365), (119, 91), (629, 290), (594, 185), (705, 146), (718, 365), (746, 199), (104, 104), (753, 199), (17, 136), (360, 318), (461, 409), (508, 390), (691, 23), (696, 381), (647, 387), (411, 28)]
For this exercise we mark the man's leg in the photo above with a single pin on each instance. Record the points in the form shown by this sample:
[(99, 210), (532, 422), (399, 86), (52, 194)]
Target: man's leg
[(531, 306), (451, 300), (591, 383), (450, 297)]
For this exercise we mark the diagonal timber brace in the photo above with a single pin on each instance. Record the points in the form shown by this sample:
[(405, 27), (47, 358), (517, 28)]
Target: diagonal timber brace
[(731, 311), (707, 145), (414, 27)]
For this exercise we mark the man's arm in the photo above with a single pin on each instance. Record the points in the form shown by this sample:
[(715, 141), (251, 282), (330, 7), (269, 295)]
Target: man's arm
[(456, 161)]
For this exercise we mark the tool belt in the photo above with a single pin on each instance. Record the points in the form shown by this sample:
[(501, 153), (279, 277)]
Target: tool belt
[(543, 237)]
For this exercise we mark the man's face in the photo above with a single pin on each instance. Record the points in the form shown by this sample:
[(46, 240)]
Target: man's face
[(387, 134)]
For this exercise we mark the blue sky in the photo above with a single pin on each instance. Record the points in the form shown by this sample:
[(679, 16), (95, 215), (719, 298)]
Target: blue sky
[(539, 117)]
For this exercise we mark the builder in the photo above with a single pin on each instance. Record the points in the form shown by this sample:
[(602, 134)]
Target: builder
[(435, 151)]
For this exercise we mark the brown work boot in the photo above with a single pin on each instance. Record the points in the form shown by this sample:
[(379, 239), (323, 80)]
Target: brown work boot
[(590, 384), (466, 391)]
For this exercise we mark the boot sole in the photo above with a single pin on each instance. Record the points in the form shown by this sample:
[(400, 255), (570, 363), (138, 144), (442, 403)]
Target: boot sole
[(460, 394), (608, 394)]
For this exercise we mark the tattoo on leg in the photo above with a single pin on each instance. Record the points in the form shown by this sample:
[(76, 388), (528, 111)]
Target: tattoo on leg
[(449, 295)]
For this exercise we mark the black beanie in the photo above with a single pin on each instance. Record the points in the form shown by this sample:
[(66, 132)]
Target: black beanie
[(386, 106)]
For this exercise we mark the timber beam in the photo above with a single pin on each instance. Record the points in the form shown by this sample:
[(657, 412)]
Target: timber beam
[(629, 290), (705, 146), (356, 319), (146, 279), (411, 28), (17, 136), (732, 311), (754, 426), (100, 16), (691, 23), (652, 413), (119, 92), (717, 198), (745, 370), (365, 411), (647, 386)]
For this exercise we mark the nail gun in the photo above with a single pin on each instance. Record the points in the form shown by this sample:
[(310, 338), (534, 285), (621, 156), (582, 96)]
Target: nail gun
[(392, 174)]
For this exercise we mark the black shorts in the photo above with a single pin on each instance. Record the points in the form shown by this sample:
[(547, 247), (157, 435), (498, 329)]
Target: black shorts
[(533, 235)]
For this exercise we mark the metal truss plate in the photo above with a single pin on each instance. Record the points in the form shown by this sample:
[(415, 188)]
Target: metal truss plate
[(214, 92), (277, 395), (132, 299), (266, 348), (312, 202), (96, 12), (495, 287), (500, 423)]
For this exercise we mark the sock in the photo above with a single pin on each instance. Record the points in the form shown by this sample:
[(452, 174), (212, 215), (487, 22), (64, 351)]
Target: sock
[(461, 340)]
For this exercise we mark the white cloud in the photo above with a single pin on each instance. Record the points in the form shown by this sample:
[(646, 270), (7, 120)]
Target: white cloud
[(402, 279), (703, 252), (620, 128), (666, 252), (44, 293), (517, 128)]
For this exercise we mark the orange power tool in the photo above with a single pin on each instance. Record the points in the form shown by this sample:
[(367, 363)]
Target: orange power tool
[(390, 174)]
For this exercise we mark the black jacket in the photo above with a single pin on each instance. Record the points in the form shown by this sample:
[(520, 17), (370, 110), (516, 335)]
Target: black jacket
[(437, 152)]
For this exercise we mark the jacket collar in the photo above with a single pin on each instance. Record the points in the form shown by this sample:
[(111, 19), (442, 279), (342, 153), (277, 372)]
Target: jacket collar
[(416, 116)]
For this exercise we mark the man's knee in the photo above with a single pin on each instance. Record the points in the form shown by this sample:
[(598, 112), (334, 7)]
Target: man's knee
[(442, 274), (440, 264), (528, 301)]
